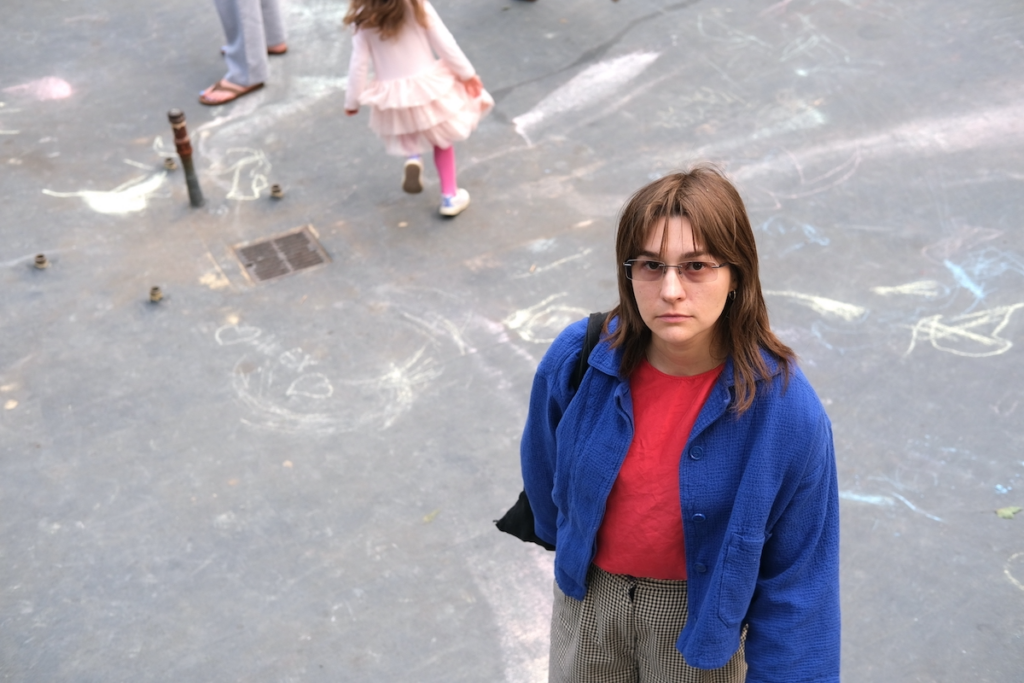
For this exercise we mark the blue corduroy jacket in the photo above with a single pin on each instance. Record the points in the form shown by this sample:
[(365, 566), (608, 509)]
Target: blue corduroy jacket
[(759, 499)]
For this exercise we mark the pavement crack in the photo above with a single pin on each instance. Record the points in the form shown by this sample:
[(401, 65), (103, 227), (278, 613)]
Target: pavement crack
[(595, 53)]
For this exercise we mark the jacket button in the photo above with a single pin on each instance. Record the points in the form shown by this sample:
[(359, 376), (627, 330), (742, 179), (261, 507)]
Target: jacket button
[(699, 517), (696, 453), (700, 568)]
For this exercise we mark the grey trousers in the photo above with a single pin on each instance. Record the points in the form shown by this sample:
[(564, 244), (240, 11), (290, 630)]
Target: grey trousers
[(249, 26), (624, 631)]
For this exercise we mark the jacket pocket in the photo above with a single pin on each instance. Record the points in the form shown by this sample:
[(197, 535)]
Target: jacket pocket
[(738, 578)]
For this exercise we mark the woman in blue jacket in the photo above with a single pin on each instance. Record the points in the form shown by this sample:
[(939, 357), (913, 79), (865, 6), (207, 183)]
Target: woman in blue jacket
[(689, 484)]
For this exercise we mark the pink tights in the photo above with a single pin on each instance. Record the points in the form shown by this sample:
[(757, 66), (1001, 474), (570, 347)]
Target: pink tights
[(444, 159)]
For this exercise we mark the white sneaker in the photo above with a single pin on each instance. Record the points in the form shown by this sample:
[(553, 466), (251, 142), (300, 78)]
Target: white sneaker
[(453, 206), (411, 182)]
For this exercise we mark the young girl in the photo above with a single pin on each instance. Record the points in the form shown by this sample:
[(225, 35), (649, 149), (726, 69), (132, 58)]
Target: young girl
[(689, 484), (417, 101)]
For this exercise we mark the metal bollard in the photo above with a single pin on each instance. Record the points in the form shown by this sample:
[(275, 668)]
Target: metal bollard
[(184, 145)]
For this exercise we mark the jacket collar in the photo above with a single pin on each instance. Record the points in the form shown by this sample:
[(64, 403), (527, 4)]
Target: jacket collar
[(604, 357)]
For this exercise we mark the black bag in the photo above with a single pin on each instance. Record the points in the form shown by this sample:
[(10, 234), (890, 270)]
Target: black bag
[(518, 521)]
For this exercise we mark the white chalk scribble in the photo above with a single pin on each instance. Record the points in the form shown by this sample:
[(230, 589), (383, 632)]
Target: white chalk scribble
[(819, 304), (541, 322), (926, 288), (275, 384), (597, 82), (128, 197), (1009, 569), (965, 335)]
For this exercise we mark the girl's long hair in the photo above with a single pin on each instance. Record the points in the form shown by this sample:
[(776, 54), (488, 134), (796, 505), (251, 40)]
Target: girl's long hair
[(721, 228), (385, 16)]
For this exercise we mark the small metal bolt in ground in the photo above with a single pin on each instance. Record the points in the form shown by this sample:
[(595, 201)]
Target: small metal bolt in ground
[(170, 164), (41, 261), (155, 294), (276, 192)]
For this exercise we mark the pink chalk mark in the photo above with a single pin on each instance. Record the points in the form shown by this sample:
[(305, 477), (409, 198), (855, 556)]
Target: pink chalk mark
[(49, 88), (779, 6)]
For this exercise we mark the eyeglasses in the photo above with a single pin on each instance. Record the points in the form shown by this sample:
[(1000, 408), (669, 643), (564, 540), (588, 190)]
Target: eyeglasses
[(646, 270)]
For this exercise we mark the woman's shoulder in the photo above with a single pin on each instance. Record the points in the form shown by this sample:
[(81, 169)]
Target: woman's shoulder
[(791, 420), (790, 393)]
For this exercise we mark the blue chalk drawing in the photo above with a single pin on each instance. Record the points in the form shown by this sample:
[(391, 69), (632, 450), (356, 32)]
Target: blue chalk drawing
[(978, 271), (805, 234), (866, 498), (964, 280)]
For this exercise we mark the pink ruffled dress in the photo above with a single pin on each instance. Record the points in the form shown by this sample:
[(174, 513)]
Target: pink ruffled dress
[(416, 99)]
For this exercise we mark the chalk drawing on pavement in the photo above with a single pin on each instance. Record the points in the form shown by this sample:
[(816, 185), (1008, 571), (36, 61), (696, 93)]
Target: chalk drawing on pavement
[(542, 322), (824, 306), (282, 394), (972, 335), (129, 197), (1015, 566), (926, 288)]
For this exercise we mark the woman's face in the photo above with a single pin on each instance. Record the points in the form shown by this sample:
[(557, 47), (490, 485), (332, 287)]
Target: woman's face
[(680, 313)]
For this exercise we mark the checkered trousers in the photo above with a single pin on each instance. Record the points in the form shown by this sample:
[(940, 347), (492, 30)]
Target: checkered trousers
[(625, 631)]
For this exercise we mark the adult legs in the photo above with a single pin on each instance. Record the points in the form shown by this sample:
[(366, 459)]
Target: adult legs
[(661, 609), (273, 25), (624, 631), (591, 639), (246, 48)]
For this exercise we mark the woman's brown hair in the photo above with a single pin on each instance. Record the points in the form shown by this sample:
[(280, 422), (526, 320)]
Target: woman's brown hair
[(386, 16), (721, 228)]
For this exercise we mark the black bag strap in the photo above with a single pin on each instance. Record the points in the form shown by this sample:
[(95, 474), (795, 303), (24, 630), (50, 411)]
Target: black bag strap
[(518, 521), (595, 323)]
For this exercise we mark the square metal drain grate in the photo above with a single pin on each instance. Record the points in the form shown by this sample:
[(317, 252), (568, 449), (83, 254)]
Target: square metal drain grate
[(280, 255)]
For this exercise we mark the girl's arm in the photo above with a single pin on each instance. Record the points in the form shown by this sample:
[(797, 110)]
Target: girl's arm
[(358, 66), (443, 43)]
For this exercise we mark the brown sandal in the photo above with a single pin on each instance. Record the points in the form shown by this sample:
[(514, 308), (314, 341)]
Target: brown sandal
[(230, 92), (279, 49)]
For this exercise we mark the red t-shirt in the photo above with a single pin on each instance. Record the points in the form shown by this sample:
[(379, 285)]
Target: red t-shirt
[(642, 531)]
